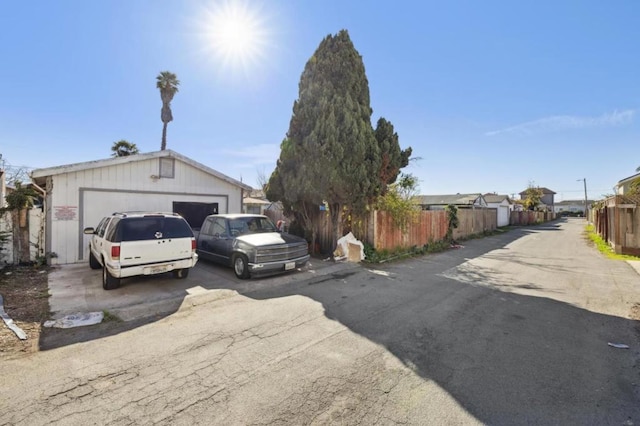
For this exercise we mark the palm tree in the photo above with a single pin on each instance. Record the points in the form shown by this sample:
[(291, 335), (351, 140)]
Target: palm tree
[(123, 148), (168, 84)]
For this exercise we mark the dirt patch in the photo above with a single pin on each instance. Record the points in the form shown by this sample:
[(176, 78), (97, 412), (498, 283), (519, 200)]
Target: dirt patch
[(635, 312), (26, 300)]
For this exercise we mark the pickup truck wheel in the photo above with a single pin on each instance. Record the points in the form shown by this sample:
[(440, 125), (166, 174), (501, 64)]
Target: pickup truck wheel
[(241, 266), (181, 273), (109, 282), (93, 262)]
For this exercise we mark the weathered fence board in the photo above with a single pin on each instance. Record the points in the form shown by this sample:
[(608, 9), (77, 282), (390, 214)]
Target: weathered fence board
[(529, 217), (475, 221), (430, 225), (617, 221)]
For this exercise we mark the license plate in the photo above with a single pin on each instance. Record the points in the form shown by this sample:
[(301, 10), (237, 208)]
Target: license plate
[(157, 270), (289, 266)]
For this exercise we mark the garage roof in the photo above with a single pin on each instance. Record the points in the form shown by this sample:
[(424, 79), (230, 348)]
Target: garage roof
[(68, 168)]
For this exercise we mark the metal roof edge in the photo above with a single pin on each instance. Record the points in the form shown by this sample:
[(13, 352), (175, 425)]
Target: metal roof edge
[(76, 167)]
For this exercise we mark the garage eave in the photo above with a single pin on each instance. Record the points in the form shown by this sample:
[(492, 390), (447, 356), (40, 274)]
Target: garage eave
[(38, 175)]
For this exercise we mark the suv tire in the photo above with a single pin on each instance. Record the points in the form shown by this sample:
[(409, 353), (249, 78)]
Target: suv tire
[(93, 262), (109, 282), (181, 273)]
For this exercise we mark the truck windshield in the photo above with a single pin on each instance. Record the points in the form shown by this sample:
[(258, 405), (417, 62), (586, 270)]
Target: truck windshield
[(252, 225)]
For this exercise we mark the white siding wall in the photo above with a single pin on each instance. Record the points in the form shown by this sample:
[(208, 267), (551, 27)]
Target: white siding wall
[(503, 215), (503, 212), (36, 233), (6, 254), (578, 206), (80, 199)]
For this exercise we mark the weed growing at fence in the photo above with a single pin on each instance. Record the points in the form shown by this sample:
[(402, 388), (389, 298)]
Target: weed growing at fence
[(374, 256), (483, 234), (108, 316), (603, 247)]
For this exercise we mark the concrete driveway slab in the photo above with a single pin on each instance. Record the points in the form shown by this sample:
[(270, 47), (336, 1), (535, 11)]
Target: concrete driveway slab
[(76, 288)]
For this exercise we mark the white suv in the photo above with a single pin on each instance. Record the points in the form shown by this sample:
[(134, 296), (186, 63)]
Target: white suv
[(141, 243)]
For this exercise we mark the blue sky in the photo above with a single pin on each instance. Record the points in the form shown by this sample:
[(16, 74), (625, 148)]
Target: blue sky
[(490, 95)]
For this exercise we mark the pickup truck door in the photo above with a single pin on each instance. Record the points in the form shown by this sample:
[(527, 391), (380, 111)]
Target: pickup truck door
[(214, 240)]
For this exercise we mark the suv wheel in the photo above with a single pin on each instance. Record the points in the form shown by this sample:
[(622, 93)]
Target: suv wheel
[(181, 273), (109, 282), (241, 266), (93, 262)]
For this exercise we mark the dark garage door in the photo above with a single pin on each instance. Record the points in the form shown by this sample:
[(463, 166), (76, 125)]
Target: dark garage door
[(194, 213)]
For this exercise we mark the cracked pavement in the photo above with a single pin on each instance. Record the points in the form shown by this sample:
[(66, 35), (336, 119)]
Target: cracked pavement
[(240, 361), (511, 329)]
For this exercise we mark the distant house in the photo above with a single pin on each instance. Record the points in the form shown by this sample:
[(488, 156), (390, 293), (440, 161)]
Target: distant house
[(255, 202), (503, 205), (439, 202), (571, 206), (623, 187), (546, 201)]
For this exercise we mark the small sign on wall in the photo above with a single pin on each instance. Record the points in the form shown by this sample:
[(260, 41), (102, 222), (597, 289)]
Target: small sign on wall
[(65, 212)]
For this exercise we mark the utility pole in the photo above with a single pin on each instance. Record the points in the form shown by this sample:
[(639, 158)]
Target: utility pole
[(585, 197)]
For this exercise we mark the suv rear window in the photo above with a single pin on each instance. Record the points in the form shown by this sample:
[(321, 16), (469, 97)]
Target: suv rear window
[(152, 228)]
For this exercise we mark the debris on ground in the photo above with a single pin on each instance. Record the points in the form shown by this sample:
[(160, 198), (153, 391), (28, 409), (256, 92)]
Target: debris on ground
[(618, 345), (9, 322), (349, 248), (26, 301), (76, 320)]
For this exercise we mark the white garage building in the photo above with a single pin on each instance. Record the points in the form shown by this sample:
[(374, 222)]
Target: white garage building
[(503, 205), (79, 195)]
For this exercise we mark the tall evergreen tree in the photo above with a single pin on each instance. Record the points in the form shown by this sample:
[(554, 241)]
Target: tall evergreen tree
[(330, 154), (392, 158)]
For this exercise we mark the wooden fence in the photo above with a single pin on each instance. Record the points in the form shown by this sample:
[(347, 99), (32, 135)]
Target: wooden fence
[(431, 225), (529, 217), (276, 215), (323, 238), (382, 233), (617, 221), (379, 230), (475, 221)]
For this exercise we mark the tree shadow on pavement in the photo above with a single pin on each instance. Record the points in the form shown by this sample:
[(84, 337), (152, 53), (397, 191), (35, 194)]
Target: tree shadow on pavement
[(507, 358)]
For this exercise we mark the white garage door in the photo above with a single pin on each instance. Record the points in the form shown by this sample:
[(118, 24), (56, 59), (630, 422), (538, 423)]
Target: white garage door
[(503, 216)]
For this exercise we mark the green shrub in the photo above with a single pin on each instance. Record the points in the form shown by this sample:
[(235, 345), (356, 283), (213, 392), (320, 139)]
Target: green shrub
[(604, 247)]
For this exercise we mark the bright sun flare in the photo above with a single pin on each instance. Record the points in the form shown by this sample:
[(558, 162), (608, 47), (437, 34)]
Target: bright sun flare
[(236, 33)]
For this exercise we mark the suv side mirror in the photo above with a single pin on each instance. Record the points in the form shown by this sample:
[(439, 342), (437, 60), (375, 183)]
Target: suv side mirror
[(89, 231)]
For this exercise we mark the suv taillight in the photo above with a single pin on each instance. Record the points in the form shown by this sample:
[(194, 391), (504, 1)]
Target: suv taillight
[(115, 252), (193, 244)]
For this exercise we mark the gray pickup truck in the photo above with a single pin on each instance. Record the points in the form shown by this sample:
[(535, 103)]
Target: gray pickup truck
[(250, 244)]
